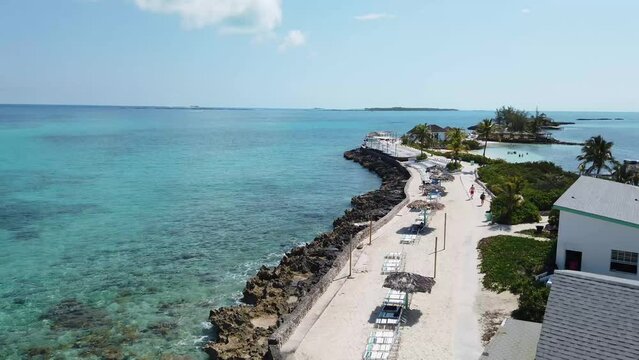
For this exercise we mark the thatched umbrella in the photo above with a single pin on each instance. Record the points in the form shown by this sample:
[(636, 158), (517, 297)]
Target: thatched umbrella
[(436, 206), (409, 283), (419, 204)]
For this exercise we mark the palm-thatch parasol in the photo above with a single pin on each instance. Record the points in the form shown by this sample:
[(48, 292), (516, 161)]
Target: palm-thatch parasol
[(409, 282), (436, 206), (429, 188), (443, 176), (419, 204)]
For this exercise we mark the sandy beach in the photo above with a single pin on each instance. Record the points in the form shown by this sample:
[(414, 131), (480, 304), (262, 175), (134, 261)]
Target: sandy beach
[(445, 324)]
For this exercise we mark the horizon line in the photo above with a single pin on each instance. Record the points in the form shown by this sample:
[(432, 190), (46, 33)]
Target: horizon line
[(239, 108)]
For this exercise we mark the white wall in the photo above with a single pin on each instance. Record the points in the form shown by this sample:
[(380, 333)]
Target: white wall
[(595, 239), (441, 136)]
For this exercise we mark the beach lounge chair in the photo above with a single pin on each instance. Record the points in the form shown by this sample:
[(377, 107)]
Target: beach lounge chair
[(408, 239), (398, 298), (392, 265), (376, 355)]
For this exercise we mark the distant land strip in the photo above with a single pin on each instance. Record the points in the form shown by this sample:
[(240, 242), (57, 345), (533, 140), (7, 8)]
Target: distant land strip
[(599, 119), (408, 109)]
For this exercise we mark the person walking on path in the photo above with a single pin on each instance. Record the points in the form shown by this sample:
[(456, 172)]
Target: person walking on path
[(482, 197), (472, 191)]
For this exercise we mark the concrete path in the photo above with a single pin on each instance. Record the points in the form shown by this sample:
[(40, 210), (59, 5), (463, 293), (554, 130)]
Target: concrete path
[(442, 325)]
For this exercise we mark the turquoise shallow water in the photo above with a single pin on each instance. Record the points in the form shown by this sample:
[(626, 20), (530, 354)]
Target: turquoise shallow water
[(141, 220)]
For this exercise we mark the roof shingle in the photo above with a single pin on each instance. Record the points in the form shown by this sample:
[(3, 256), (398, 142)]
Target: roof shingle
[(590, 317), (602, 198)]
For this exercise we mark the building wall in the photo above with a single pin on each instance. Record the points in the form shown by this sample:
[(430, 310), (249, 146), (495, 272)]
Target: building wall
[(595, 239)]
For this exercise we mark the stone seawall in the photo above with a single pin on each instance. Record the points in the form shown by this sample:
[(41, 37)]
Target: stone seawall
[(276, 299)]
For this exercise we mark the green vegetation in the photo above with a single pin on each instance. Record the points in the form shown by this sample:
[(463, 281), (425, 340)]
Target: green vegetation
[(484, 129), (455, 142), (512, 209), (532, 302), (421, 157), (623, 174), (453, 166), (478, 159), (419, 136), (510, 124), (596, 155), (539, 184), (509, 263)]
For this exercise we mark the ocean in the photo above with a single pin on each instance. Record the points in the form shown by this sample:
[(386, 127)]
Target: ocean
[(121, 227)]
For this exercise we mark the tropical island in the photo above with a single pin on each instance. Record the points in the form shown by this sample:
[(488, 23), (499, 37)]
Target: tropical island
[(511, 125)]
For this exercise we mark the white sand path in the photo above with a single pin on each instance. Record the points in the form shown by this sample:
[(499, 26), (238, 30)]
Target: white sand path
[(442, 325)]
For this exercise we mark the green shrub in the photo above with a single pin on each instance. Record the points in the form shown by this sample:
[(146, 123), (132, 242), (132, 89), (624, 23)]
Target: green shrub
[(453, 166), (532, 302), (421, 157), (477, 159), (509, 262), (545, 181), (553, 218), (527, 212)]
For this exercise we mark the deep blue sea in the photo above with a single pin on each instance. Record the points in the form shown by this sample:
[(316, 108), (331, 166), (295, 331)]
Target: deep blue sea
[(121, 227)]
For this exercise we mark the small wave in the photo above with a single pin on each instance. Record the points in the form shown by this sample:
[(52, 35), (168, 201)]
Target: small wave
[(206, 325)]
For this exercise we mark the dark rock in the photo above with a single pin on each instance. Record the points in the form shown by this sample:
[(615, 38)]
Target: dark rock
[(162, 328), (38, 353), (241, 333), (71, 314)]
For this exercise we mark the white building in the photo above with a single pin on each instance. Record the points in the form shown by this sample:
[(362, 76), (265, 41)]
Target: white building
[(599, 228), (438, 132)]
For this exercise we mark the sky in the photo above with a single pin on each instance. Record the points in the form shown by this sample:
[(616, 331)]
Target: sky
[(554, 54)]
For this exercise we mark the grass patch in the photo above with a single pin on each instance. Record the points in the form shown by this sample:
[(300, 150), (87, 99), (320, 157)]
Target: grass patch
[(545, 181), (509, 263)]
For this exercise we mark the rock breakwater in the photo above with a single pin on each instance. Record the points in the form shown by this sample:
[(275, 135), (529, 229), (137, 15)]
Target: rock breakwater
[(273, 293)]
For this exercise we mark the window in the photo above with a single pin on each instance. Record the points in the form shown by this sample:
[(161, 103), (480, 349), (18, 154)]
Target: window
[(624, 261)]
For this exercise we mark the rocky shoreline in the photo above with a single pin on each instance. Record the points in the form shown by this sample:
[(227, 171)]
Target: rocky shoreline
[(243, 331)]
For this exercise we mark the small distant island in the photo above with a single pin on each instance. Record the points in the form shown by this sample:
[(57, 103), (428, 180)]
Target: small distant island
[(599, 119), (399, 108)]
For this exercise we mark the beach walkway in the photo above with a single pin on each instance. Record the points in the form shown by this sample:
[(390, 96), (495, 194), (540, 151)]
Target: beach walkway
[(442, 325)]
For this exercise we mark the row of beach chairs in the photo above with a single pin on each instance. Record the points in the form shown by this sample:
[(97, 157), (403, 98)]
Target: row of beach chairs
[(383, 342)]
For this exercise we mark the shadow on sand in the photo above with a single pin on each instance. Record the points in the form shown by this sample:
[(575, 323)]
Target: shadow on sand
[(412, 316)]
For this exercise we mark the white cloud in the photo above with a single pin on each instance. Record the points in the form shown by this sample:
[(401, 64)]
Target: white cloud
[(294, 38), (374, 16), (237, 16), (525, 11)]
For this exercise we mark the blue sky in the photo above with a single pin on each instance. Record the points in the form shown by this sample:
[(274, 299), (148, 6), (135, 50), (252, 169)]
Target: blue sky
[(557, 54)]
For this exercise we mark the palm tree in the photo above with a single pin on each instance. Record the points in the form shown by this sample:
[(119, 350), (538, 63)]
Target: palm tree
[(624, 175), (511, 191), (455, 138), (596, 155), (534, 126), (484, 129), (423, 136)]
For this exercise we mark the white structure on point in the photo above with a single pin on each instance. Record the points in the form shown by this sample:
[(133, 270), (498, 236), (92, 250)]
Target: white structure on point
[(599, 228)]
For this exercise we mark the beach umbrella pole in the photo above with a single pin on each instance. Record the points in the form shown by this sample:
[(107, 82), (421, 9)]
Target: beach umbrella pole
[(445, 218), (435, 263)]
